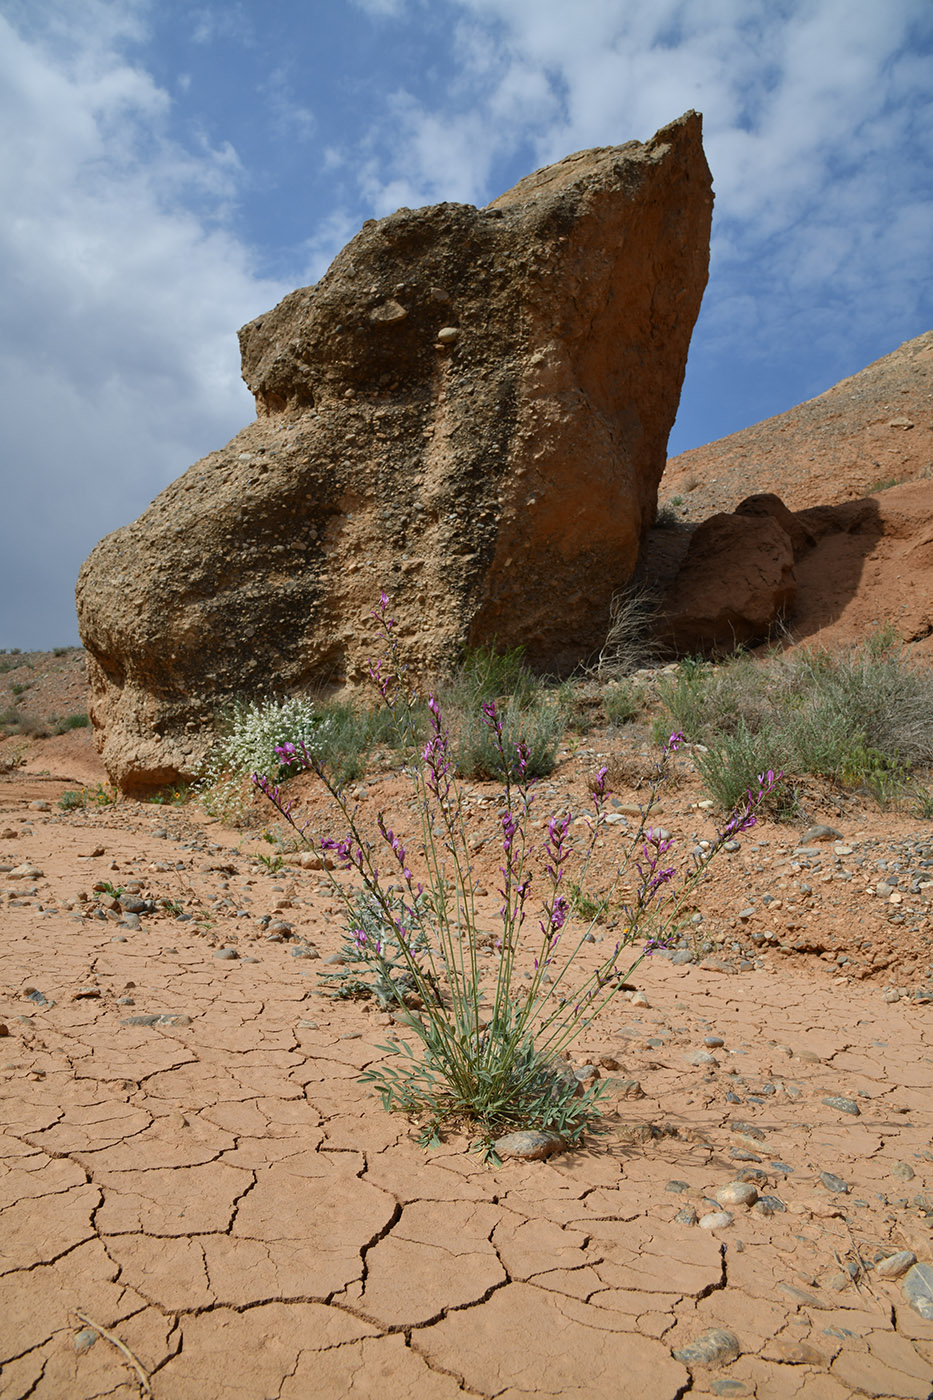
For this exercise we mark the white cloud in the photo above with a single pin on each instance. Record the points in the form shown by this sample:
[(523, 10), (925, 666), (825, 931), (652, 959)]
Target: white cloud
[(122, 290), (818, 126)]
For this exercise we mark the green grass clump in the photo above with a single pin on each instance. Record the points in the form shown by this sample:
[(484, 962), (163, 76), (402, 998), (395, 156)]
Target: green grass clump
[(530, 710), (862, 718)]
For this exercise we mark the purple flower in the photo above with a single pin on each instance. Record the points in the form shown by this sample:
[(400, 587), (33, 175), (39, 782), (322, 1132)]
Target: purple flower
[(599, 782), (675, 741)]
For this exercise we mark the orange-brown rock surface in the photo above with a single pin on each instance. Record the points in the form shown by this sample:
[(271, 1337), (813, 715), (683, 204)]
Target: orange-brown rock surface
[(853, 470), (470, 410), (866, 433)]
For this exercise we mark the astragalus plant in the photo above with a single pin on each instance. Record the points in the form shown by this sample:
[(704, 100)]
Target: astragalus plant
[(488, 1033)]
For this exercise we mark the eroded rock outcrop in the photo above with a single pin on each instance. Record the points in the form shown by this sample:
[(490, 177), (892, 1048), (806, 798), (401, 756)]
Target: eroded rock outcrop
[(470, 410)]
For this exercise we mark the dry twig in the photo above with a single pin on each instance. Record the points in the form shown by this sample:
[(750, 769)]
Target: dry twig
[(142, 1374)]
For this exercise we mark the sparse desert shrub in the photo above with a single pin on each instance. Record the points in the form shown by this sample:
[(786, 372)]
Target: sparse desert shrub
[(861, 717), (75, 721), (72, 801), (486, 1036), (250, 735), (623, 702), (539, 725), (529, 709), (629, 641)]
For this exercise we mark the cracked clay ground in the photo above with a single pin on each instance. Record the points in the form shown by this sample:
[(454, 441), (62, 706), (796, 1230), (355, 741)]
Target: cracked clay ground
[(212, 1187)]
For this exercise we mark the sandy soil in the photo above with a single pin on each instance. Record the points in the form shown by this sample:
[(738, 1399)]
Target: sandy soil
[(193, 1172)]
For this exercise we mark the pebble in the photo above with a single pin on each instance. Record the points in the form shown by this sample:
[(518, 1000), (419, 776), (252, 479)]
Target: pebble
[(715, 1347), (903, 1171), (85, 1339), (739, 1154), (918, 1289), (843, 1104), (158, 1018), (131, 921), (686, 1216), (834, 1183), (40, 806), (713, 1042), (715, 1220), (895, 1264), (737, 1193), (681, 957), (678, 1187), (226, 954), (820, 833), (769, 1205), (701, 1057), (529, 1146)]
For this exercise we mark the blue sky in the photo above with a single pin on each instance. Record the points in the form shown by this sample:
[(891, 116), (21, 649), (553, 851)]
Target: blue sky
[(169, 170)]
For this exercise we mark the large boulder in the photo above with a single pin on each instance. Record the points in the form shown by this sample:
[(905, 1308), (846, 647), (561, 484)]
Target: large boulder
[(469, 410), (736, 581)]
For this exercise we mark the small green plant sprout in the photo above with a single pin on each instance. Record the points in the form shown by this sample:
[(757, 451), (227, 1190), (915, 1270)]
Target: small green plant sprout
[(170, 796), (273, 864), (72, 800), (105, 887), (485, 1035), (384, 976)]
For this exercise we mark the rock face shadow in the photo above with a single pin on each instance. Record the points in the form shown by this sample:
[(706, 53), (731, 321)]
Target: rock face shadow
[(763, 572)]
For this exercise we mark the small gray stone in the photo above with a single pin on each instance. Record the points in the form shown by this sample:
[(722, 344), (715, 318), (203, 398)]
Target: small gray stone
[(834, 1183), (701, 1057), (737, 1193), (686, 1216), (895, 1264), (739, 1154), (918, 1289), (226, 954), (903, 1171), (769, 1205), (85, 1339), (713, 1042), (531, 1146), (843, 1104), (131, 921), (713, 1348), (682, 956), (820, 833), (746, 914), (158, 1018), (678, 1187)]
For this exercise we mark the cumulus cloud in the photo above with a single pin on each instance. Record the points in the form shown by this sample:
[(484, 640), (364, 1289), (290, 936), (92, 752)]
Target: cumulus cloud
[(818, 122), (121, 293)]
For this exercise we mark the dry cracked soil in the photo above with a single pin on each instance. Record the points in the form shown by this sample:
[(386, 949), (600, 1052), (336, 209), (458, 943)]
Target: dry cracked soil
[(200, 1200)]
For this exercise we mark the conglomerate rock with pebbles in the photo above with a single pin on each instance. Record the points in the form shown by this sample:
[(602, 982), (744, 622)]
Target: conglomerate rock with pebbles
[(470, 409)]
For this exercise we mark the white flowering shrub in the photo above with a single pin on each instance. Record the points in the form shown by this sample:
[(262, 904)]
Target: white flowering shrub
[(254, 731)]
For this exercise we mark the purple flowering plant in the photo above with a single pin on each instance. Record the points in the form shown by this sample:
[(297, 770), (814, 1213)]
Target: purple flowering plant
[(486, 1042)]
